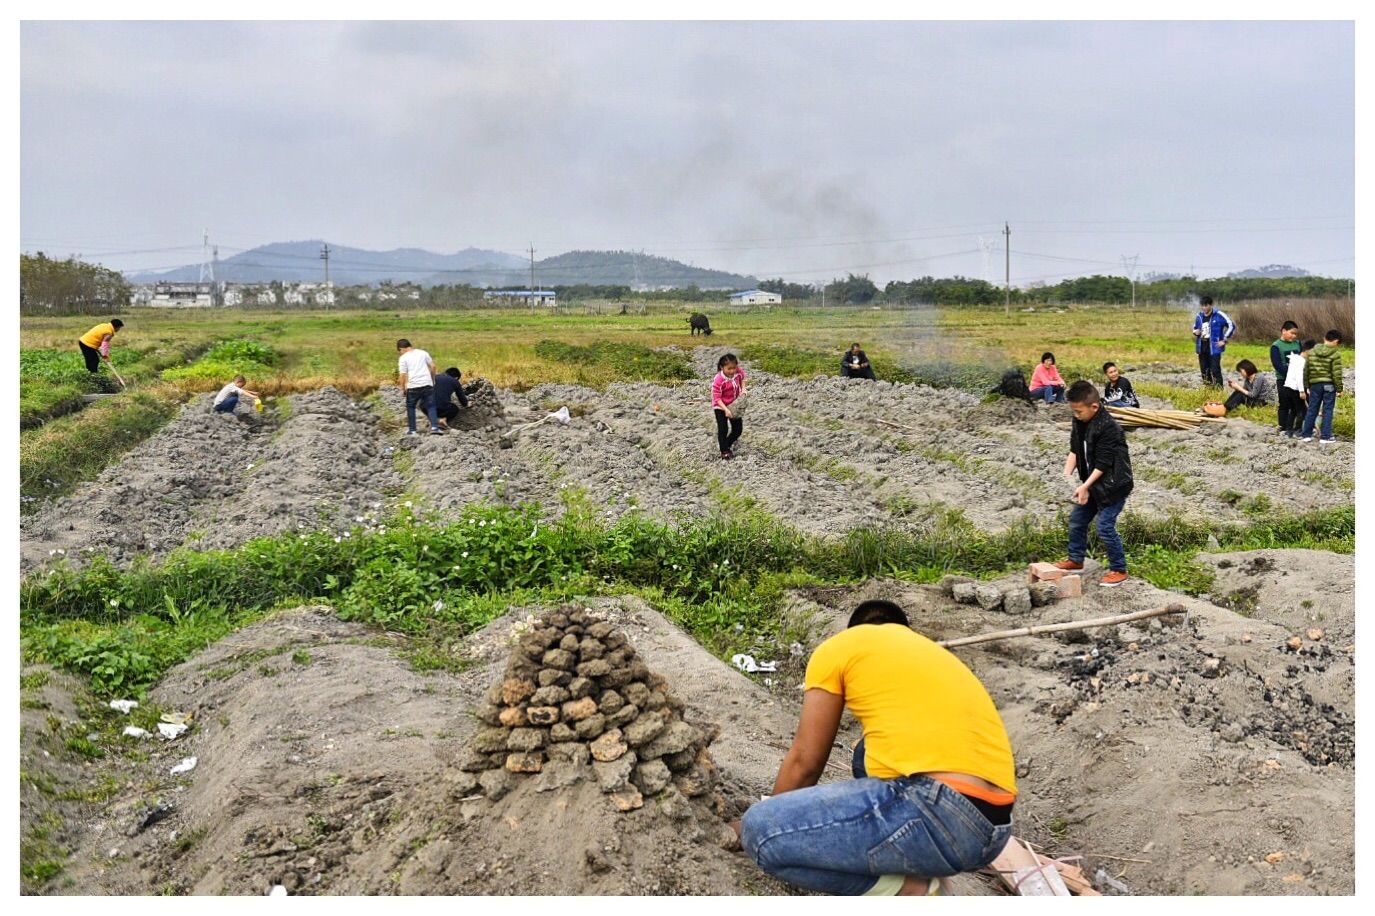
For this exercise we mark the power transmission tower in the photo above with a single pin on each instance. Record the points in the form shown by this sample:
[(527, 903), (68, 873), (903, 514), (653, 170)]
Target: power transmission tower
[(1007, 269), (532, 267), (1129, 265), (207, 274), (216, 289), (987, 246), (324, 256)]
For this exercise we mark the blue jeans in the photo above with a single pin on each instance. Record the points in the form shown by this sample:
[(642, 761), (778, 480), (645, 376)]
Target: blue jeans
[(1321, 396), (228, 404), (840, 837), (425, 398), (1079, 519), (1051, 393)]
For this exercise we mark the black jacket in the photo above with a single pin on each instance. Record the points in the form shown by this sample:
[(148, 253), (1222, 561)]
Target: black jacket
[(1121, 394), (445, 387), (1100, 445)]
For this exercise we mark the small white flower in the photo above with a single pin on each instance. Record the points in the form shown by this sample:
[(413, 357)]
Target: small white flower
[(409, 504), (465, 554), (52, 553), (725, 562), (675, 566), (482, 524), (346, 534), (338, 539), (438, 606), (739, 628), (358, 518), (425, 549), (61, 552), (114, 602)]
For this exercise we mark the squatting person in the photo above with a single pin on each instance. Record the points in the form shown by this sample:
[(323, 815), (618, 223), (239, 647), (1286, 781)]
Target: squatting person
[(446, 388), (1098, 451), (417, 372), (934, 781), (1256, 389), (228, 398), (855, 364), (95, 343), (1046, 381), (1118, 392)]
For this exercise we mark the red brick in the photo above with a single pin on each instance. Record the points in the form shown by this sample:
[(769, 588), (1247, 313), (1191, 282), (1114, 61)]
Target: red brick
[(1070, 586), (1043, 572)]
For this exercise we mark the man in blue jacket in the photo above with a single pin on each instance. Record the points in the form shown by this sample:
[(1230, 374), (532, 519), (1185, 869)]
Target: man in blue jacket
[(1212, 328), (446, 388)]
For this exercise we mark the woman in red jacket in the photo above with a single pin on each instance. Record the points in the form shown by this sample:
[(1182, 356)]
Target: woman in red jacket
[(1046, 382)]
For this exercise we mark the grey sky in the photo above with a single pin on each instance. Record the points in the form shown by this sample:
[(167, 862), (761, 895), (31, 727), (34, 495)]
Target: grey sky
[(800, 149)]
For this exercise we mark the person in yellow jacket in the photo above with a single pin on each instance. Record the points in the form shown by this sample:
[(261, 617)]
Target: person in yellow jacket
[(95, 343), (934, 775)]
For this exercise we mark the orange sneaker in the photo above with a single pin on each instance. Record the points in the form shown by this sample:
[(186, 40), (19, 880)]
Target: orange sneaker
[(1069, 564), (1113, 579)]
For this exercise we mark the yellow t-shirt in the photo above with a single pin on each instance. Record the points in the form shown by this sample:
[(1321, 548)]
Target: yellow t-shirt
[(922, 710), (92, 337)]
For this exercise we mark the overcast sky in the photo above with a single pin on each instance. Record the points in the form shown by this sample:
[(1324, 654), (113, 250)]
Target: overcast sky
[(806, 150)]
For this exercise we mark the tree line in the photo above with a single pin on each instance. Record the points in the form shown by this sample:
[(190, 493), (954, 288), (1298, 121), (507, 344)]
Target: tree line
[(69, 287)]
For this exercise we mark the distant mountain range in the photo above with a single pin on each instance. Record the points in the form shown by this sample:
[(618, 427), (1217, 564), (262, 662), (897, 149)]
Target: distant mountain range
[(1269, 272), (291, 262)]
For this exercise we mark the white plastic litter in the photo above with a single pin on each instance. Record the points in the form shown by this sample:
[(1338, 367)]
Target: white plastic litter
[(561, 415), (124, 705), (277, 891), (747, 664), (1103, 879), (187, 765), (170, 730), (133, 731)]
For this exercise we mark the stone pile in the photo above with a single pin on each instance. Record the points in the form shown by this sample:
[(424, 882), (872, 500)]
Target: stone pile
[(1015, 599), (484, 407), (576, 702)]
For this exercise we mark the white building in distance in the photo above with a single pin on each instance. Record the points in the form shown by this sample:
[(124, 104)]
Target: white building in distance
[(755, 297)]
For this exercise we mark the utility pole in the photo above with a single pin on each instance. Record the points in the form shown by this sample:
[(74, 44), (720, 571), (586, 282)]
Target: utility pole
[(1129, 264), (324, 256), (1007, 270)]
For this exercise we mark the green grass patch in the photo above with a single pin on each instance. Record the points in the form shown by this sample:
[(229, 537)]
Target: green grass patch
[(604, 361)]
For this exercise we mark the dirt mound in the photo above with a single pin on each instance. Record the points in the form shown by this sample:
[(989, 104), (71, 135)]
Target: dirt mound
[(325, 467), (326, 764), (1296, 589), (146, 504)]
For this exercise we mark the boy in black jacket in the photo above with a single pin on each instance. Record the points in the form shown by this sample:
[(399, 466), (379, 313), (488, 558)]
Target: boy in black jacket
[(1098, 451)]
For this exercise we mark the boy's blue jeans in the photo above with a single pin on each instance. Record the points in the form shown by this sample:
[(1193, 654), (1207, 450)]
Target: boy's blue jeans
[(840, 837), (1051, 393), (228, 404), (1079, 519), (425, 398), (1321, 396)]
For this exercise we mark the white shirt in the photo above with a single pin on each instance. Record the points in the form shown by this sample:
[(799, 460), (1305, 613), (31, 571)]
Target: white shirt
[(231, 388), (1294, 377), (416, 364)]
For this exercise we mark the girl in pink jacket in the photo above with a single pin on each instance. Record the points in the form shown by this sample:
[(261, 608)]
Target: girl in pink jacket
[(726, 389), (1046, 382)]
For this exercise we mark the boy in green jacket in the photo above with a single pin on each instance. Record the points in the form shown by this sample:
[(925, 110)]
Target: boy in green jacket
[(1322, 382)]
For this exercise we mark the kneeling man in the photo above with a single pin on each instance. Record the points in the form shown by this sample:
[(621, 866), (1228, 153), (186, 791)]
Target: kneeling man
[(934, 778)]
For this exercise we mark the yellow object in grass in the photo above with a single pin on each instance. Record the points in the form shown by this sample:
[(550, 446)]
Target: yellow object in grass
[(258, 405)]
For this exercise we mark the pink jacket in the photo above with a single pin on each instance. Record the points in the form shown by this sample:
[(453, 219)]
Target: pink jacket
[(724, 390), (1044, 376)]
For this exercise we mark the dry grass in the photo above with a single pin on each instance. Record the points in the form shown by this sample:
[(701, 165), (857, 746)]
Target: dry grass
[(1259, 322)]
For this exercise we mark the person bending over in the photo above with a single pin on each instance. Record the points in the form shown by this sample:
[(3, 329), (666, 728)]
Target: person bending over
[(934, 781)]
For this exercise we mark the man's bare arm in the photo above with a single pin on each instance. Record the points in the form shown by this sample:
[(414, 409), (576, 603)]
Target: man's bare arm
[(816, 732)]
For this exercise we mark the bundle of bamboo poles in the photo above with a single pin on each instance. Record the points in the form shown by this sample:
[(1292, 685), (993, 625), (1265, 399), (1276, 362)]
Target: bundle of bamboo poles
[(1132, 417)]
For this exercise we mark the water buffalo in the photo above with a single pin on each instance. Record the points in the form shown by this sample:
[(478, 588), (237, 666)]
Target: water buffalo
[(699, 322)]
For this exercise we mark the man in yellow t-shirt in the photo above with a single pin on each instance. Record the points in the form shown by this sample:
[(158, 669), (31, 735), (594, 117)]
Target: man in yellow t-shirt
[(95, 343), (934, 776)]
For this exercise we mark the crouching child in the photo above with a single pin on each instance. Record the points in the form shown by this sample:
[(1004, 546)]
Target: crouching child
[(1098, 451), (228, 398)]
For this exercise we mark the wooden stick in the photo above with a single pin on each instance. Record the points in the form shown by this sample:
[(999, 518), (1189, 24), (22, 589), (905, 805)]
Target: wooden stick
[(1061, 627)]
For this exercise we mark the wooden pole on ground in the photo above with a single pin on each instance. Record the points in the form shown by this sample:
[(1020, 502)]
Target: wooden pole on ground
[(1062, 627)]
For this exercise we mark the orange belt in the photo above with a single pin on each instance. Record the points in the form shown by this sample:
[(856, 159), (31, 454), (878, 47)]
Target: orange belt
[(974, 790)]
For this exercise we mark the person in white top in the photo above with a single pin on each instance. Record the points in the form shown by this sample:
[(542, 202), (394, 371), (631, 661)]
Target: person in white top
[(417, 373), (229, 395)]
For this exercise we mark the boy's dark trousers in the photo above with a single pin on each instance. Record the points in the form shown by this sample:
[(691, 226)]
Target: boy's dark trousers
[(425, 398), (1291, 410), (1210, 366), (727, 430), (92, 356)]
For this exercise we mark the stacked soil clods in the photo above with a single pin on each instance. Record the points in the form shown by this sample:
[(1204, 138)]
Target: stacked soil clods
[(484, 407), (575, 694)]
